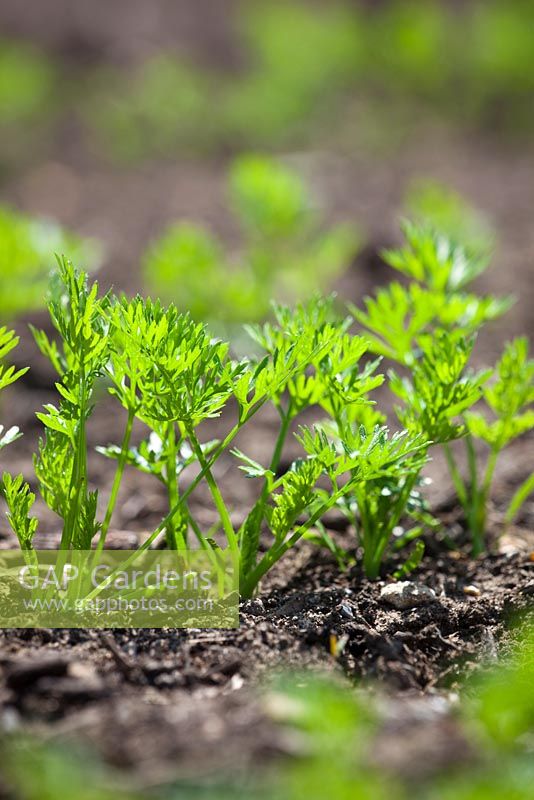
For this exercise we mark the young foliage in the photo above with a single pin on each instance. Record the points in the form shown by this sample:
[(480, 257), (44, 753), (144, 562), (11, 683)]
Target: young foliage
[(428, 327), (509, 414), (383, 473), (167, 372), (8, 375), (441, 387), (61, 463), (171, 376), (19, 500), (399, 315), (437, 297), (333, 380)]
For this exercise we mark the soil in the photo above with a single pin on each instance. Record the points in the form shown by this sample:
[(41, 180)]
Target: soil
[(137, 696)]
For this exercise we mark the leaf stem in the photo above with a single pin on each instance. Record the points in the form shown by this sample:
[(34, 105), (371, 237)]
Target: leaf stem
[(125, 445), (456, 476), (176, 539), (215, 493), (276, 552), (259, 508), (478, 531)]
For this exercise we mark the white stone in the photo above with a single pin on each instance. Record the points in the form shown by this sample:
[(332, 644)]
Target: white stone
[(406, 594)]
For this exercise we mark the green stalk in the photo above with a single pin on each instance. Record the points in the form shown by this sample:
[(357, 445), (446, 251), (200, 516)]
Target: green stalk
[(216, 494), (116, 481), (459, 484), (524, 491), (281, 439), (230, 436), (175, 529), (275, 461), (474, 499), (78, 479), (370, 539), (372, 559), (472, 463), (276, 552), (478, 531)]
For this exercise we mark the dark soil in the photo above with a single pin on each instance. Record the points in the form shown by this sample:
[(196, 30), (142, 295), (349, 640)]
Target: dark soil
[(136, 696)]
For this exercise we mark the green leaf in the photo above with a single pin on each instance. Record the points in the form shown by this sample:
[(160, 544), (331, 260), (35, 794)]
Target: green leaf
[(519, 498), (441, 387), (87, 525), (249, 537), (296, 496), (412, 562), (250, 467), (434, 260), (508, 397), (19, 501)]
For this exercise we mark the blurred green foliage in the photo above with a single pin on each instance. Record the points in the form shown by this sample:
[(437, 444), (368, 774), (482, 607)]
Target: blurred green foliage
[(28, 101), (27, 247), (433, 204), (376, 69), (306, 64), (286, 254), (168, 106), (301, 59), (26, 83), (45, 772)]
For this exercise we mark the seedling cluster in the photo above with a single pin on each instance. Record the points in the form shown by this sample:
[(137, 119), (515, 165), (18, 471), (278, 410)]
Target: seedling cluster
[(170, 375)]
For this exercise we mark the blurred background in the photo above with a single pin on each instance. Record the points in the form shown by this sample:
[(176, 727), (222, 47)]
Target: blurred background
[(122, 122)]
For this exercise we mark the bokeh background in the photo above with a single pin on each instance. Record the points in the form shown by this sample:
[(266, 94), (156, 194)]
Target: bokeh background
[(120, 119)]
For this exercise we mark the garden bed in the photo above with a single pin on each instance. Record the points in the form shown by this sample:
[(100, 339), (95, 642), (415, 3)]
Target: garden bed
[(136, 696)]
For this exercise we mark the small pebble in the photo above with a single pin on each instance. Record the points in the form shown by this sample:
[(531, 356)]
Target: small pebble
[(254, 607), (406, 594), (346, 611), (472, 591)]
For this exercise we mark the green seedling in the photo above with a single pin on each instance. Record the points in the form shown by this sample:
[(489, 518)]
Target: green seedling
[(508, 399), (431, 203), (61, 462), (381, 470), (170, 375), (286, 252), (428, 327), (440, 389), (440, 272)]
